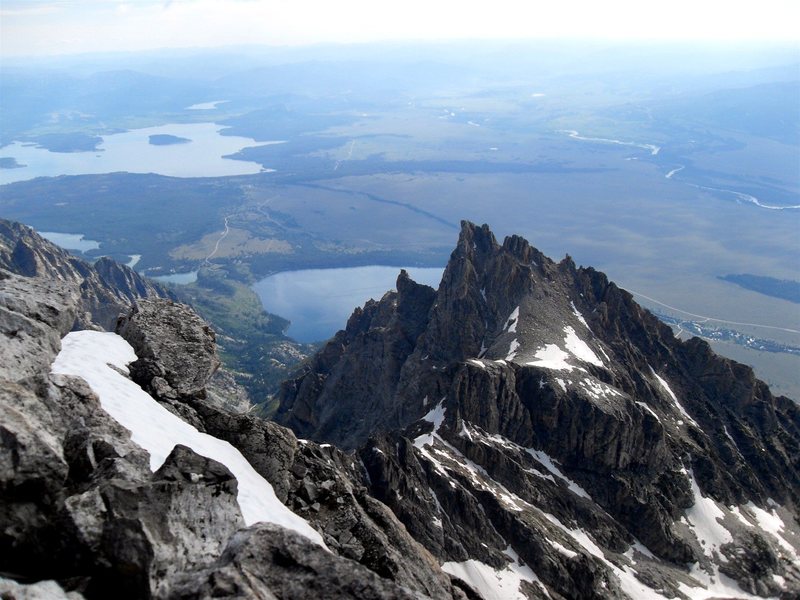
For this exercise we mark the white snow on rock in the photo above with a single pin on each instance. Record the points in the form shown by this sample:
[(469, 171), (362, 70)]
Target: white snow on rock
[(511, 322), (648, 409), (512, 350), (549, 464), (88, 354), (771, 522), (496, 584), (665, 386), (580, 349), (702, 517), (578, 314), (714, 586), (627, 577), (597, 389), (551, 357), (436, 417)]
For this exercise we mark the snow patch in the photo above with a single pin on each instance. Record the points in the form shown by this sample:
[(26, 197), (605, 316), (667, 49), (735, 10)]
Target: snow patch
[(495, 584), (512, 350), (580, 349), (632, 586), (578, 314), (597, 389), (92, 354), (511, 322), (772, 523), (665, 386), (702, 517), (436, 417), (549, 464), (551, 357), (648, 409), (717, 585)]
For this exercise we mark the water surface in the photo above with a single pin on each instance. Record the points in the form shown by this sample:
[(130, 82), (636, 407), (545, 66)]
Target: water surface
[(178, 278), (131, 151), (70, 241), (318, 302)]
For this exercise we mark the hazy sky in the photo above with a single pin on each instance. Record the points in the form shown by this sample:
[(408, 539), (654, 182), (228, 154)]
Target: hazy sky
[(34, 27)]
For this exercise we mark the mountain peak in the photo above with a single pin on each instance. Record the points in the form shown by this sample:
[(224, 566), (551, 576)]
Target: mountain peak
[(518, 357)]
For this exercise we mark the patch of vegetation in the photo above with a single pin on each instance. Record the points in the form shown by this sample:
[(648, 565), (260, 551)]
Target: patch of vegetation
[(784, 289), (164, 139), (9, 162), (158, 213), (251, 342), (68, 142)]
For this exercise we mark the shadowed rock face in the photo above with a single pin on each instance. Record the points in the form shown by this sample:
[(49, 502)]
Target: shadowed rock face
[(528, 367)]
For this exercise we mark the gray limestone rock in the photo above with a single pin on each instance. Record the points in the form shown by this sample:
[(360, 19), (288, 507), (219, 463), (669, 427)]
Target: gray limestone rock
[(42, 590), (103, 291), (266, 561), (176, 348)]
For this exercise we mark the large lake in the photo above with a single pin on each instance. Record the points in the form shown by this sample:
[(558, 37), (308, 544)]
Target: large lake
[(132, 151), (318, 302)]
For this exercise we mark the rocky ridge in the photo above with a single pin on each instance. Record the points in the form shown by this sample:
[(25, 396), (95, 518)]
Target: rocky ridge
[(542, 416), (524, 431), (82, 506), (104, 289)]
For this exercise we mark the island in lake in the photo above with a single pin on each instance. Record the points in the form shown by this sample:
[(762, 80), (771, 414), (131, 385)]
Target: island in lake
[(163, 139), (9, 162)]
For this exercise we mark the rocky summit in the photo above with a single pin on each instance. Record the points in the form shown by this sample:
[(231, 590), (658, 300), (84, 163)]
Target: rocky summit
[(524, 431), (530, 415)]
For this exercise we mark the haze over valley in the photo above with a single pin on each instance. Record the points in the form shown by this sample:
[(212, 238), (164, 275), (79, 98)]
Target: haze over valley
[(670, 167)]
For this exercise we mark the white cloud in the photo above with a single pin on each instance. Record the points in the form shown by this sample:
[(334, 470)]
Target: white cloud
[(53, 27)]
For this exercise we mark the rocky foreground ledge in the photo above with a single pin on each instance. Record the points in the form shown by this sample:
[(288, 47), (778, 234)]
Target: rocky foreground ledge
[(86, 514)]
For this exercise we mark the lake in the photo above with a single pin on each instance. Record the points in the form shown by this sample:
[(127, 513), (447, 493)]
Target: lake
[(318, 302), (177, 278), (70, 241), (131, 151)]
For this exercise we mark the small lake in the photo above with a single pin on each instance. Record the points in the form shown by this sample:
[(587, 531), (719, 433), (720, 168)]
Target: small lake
[(132, 151), (177, 278), (318, 302), (70, 241)]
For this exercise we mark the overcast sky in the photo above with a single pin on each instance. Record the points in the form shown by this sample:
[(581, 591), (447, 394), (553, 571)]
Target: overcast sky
[(36, 27)]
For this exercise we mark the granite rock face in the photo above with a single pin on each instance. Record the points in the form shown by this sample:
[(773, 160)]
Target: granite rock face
[(267, 561), (532, 406)]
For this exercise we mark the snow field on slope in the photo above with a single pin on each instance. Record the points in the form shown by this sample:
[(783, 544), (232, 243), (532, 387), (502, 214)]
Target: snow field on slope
[(496, 584), (87, 354)]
